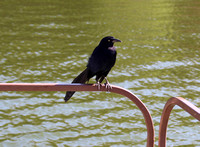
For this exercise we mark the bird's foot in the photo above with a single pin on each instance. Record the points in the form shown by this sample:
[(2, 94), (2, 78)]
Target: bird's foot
[(98, 85), (108, 86)]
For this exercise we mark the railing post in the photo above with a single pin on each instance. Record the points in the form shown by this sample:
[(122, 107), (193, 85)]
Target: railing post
[(184, 104)]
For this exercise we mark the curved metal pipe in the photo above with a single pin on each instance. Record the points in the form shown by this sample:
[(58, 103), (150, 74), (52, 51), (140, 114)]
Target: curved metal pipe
[(184, 104), (86, 87)]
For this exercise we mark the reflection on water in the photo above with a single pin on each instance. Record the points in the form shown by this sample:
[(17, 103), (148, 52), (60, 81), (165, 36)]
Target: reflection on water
[(51, 42)]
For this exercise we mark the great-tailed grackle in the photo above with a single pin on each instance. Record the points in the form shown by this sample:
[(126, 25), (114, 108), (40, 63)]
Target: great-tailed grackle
[(100, 63)]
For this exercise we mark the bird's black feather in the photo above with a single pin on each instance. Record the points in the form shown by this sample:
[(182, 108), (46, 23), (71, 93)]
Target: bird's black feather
[(100, 63)]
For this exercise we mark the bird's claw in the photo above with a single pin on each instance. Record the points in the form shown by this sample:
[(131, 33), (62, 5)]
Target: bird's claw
[(98, 85), (108, 86)]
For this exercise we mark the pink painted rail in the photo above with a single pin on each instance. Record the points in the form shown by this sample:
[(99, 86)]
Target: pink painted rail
[(184, 104), (83, 87)]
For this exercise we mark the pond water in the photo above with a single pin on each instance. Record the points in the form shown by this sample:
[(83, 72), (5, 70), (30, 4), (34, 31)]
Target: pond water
[(50, 42)]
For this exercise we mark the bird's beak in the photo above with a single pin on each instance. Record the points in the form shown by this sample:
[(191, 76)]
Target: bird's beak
[(116, 40)]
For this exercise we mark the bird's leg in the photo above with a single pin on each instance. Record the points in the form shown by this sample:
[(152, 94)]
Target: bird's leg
[(98, 85), (107, 84)]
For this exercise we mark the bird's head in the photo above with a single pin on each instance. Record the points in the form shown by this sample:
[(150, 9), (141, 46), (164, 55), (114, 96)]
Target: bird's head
[(109, 41)]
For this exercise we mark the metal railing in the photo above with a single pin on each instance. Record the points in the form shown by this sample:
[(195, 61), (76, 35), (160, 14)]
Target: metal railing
[(88, 87), (184, 104)]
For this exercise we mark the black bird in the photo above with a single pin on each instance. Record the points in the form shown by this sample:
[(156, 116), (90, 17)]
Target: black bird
[(100, 63)]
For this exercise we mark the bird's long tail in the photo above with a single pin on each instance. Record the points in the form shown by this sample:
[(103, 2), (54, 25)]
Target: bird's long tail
[(81, 78)]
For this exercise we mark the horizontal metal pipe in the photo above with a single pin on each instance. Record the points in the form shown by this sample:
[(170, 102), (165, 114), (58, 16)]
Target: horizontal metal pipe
[(86, 87)]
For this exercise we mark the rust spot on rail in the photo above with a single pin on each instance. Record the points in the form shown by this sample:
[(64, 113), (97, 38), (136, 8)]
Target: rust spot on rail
[(86, 87), (184, 104)]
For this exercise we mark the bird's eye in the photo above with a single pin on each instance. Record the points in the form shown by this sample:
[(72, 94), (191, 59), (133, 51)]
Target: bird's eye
[(109, 40)]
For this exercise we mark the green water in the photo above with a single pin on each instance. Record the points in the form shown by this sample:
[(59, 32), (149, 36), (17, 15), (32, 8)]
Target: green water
[(50, 42)]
